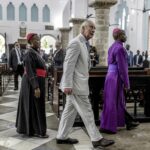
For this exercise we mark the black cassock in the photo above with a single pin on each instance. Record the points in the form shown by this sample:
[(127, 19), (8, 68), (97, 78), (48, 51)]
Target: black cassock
[(31, 116)]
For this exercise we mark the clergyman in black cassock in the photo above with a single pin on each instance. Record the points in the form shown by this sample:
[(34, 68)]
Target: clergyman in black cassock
[(31, 116)]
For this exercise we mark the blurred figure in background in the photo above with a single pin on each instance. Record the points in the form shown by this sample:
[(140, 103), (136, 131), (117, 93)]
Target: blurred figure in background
[(138, 59), (16, 63), (94, 57), (44, 55), (58, 56), (129, 56), (146, 62), (4, 58), (143, 55)]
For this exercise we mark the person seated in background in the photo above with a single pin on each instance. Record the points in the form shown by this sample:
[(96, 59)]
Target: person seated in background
[(4, 58), (58, 56), (143, 55), (94, 57), (146, 62), (138, 59), (51, 49), (130, 55)]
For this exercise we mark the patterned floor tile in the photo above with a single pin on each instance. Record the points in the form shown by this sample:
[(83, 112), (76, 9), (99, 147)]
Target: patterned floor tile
[(5, 148), (24, 145), (6, 124), (49, 114), (6, 99), (11, 104), (6, 109), (9, 133), (9, 141), (53, 146), (12, 96), (52, 122)]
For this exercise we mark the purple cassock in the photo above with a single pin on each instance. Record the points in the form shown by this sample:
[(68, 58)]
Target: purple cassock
[(113, 114)]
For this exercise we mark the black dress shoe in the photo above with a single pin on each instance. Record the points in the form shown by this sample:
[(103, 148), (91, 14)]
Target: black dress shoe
[(41, 136), (102, 143), (106, 131), (67, 141), (132, 125)]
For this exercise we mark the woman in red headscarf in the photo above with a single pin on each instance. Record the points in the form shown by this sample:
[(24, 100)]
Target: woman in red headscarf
[(31, 116), (114, 112)]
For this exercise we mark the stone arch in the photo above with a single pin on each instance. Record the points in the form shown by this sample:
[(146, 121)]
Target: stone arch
[(46, 41)]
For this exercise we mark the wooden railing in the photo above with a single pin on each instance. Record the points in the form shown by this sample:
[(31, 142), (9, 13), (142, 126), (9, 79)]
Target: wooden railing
[(5, 77)]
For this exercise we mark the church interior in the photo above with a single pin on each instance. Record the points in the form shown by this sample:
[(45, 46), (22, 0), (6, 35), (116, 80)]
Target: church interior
[(56, 23)]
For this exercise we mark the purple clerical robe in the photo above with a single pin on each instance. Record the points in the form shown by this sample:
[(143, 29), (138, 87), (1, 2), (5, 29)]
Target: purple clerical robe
[(113, 113)]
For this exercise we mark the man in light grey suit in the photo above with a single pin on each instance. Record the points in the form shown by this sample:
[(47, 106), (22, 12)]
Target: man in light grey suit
[(74, 84)]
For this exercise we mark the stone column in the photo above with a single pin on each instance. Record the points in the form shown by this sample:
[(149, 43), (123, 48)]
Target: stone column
[(64, 36), (102, 8), (76, 25)]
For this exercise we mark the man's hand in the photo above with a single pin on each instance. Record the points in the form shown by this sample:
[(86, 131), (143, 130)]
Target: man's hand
[(37, 93), (68, 91)]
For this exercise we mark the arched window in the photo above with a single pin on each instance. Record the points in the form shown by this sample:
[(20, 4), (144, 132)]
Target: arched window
[(1, 12), (10, 12), (34, 13), (46, 14), (22, 12)]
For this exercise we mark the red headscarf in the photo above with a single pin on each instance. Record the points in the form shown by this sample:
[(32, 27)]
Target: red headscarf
[(29, 36)]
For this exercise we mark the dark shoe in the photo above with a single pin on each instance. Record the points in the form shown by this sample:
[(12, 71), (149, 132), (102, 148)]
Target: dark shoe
[(102, 143), (41, 136), (132, 125), (67, 141), (106, 131)]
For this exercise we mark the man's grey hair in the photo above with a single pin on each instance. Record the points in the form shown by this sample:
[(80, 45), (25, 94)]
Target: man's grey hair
[(85, 24)]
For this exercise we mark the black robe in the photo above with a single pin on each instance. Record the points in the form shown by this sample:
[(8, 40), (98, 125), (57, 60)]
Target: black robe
[(31, 116)]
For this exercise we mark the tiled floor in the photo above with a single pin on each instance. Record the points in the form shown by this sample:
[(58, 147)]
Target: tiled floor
[(138, 139)]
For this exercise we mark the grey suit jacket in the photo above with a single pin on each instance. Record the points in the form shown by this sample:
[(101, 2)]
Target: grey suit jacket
[(76, 67), (13, 61)]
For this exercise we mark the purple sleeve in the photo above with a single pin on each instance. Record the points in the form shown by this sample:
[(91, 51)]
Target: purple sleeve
[(122, 66)]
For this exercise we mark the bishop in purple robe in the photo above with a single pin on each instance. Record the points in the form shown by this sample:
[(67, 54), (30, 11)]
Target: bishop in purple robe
[(116, 82)]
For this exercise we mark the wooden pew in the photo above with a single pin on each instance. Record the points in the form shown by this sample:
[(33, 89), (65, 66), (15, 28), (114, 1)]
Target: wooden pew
[(139, 78)]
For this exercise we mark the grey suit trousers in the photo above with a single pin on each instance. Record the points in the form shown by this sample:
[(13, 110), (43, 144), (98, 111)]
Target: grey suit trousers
[(80, 104)]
